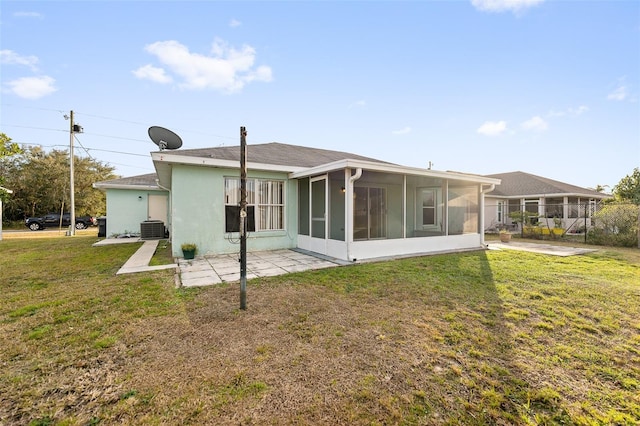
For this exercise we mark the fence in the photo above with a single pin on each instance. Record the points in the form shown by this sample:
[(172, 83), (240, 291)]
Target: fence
[(595, 223)]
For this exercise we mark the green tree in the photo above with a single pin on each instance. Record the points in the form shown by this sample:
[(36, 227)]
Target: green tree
[(7, 149), (40, 181), (628, 189)]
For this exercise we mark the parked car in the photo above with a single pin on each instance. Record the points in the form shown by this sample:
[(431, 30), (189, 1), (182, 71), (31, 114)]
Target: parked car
[(52, 220)]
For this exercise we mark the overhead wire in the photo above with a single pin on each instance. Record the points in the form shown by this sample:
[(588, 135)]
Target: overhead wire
[(88, 149), (85, 149), (80, 113)]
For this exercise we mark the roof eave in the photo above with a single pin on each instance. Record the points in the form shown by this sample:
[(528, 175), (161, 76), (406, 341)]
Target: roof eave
[(559, 194), (104, 185), (171, 158), (389, 168)]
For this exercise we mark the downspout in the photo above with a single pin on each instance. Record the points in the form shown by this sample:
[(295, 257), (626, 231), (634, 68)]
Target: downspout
[(349, 204), (481, 219), (170, 208)]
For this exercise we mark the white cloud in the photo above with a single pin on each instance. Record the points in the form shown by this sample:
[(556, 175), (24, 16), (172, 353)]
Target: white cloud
[(10, 57), (28, 15), (492, 128), (619, 94), (404, 131), (536, 124), (358, 104), (515, 6), (226, 69), (578, 111), (234, 23), (149, 72), (32, 87), (571, 112)]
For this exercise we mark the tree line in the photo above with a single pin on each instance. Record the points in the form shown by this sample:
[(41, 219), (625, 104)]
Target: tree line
[(40, 181)]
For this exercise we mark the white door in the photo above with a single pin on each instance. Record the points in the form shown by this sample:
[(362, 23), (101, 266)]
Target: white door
[(158, 208)]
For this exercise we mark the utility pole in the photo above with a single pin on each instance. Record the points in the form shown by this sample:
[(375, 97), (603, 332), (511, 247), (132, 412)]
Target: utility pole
[(73, 129), (243, 218), (72, 226)]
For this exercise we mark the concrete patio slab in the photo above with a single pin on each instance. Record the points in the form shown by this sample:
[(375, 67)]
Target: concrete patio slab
[(212, 270)]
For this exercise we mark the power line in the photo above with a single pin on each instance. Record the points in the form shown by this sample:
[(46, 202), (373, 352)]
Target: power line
[(61, 111), (118, 152), (36, 108), (34, 128), (117, 137), (85, 149), (147, 124)]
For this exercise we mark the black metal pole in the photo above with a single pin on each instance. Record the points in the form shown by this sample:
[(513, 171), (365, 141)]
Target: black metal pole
[(585, 223), (243, 217)]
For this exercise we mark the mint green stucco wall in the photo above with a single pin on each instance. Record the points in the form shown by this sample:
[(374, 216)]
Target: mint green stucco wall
[(198, 212), (125, 209)]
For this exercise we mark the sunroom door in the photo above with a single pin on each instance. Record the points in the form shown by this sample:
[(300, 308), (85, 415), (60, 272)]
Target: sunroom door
[(369, 213), (318, 207)]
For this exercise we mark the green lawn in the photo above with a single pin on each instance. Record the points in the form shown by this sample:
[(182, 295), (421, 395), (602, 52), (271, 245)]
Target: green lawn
[(492, 337)]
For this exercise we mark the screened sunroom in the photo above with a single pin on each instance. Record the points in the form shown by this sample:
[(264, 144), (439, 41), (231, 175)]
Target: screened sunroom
[(355, 210)]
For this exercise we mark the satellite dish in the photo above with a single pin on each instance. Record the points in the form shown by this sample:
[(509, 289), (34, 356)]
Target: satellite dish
[(164, 138)]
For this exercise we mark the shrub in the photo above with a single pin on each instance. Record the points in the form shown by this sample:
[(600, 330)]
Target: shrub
[(616, 225)]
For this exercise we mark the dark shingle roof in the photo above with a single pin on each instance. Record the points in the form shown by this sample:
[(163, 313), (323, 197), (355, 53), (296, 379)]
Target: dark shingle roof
[(142, 180), (277, 154), (523, 184)]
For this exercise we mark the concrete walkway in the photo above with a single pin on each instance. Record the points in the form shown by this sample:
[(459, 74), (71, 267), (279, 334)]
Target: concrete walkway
[(139, 262)]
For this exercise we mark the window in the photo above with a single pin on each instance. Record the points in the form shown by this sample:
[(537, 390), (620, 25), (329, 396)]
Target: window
[(428, 207), (554, 207), (514, 206), (531, 206), (265, 199), (500, 211)]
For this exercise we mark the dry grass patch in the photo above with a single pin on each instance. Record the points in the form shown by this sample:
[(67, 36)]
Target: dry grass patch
[(476, 338)]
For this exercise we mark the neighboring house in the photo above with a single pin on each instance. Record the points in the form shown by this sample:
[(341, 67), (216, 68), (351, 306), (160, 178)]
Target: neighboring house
[(334, 203), (133, 200), (556, 203)]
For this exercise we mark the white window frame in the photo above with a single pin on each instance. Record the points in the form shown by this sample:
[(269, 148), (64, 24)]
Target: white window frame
[(420, 207), (253, 199)]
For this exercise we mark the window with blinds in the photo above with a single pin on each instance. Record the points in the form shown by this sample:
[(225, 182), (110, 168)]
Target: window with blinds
[(264, 197)]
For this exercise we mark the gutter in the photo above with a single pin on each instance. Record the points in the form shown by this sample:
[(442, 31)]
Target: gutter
[(481, 215), (170, 208), (349, 204)]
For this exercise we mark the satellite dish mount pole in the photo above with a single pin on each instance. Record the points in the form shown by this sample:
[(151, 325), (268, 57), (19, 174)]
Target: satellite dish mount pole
[(243, 218)]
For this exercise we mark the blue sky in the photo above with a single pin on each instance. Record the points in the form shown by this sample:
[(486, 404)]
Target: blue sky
[(482, 86)]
